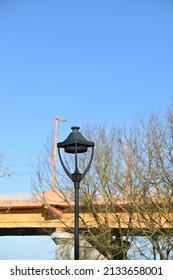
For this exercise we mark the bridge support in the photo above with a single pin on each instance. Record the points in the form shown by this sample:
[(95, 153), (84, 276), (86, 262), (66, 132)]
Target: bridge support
[(65, 248)]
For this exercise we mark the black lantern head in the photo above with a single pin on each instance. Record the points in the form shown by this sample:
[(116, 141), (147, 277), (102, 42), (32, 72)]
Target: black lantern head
[(75, 142)]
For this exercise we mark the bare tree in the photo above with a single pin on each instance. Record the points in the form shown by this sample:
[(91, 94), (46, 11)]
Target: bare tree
[(100, 191), (151, 181), (4, 169), (124, 203)]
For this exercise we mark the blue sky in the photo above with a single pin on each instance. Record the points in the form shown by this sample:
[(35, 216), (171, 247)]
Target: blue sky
[(93, 61)]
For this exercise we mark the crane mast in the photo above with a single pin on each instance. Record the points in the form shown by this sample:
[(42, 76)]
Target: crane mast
[(56, 119)]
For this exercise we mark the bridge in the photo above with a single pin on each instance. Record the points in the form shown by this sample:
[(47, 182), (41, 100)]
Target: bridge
[(48, 213), (30, 214), (43, 213)]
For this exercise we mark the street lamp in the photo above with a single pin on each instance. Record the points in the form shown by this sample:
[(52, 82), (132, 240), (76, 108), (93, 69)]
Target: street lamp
[(76, 143)]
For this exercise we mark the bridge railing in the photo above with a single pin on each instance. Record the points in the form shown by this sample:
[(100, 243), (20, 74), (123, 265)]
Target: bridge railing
[(49, 197), (16, 199)]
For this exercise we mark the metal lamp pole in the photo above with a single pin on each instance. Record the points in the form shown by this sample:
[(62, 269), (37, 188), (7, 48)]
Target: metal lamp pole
[(76, 143)]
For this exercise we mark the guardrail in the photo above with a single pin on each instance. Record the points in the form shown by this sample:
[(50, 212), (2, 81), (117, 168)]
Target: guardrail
[(19, 199), (52, 198)]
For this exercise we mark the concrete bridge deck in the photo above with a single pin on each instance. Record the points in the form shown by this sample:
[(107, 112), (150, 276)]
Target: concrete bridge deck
[(44, 213)]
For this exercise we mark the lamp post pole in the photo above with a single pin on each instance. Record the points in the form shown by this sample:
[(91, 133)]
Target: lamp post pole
[(76, 143), (76, 237), (76, 180)]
